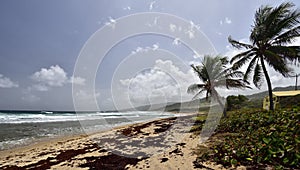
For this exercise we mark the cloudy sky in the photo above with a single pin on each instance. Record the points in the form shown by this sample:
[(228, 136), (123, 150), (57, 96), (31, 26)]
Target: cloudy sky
[(41, 42)]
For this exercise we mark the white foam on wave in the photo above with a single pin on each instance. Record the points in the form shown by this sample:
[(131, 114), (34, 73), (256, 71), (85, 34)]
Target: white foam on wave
[(13, 143), (63, 117)]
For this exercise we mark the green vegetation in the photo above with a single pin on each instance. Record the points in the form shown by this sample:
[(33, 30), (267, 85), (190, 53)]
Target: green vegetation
[(235, 102), (273, 30), (289, 102), (198, 123), (258, 138), (247, 136)]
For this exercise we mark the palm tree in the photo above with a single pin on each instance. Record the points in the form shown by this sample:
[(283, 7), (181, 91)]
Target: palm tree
[(273, 30), (214, 73)]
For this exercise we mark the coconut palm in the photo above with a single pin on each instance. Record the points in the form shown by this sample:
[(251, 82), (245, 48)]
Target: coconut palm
[(273, 30), (213, 73)]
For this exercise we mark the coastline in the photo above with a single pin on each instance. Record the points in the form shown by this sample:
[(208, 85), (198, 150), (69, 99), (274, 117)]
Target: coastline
[(138, 145)]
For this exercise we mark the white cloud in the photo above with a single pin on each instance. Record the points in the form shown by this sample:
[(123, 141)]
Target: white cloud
[(5, 82), (155, 46), (191, 30), (112, 22), (176, 41), (151, 5), (145, 49), (296, 42), (172, 27), (228, 21), (77, 80), (55, 76), (164, 82)]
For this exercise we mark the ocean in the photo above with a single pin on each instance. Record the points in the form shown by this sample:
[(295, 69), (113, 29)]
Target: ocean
[(19, 128)]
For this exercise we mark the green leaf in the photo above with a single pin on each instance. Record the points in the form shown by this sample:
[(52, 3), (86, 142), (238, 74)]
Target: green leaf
[(267, 140), (233, 161), (285, 160)]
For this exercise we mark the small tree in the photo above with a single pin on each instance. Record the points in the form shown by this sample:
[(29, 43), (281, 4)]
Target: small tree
[(214, 73)]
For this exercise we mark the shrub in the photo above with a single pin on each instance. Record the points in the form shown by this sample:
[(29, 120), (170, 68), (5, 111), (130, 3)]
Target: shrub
[(264, 138)]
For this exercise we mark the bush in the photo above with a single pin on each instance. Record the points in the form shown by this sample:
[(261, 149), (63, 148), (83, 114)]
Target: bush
[(235, 102), (264, 138)]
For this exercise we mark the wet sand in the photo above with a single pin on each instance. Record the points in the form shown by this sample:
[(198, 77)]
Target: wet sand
[(165, 144)]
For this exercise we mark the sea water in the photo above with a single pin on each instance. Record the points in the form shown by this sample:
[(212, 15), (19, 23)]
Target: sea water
[(18, 128)]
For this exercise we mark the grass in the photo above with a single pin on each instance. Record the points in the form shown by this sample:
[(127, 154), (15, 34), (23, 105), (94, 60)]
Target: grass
[(256, 138)]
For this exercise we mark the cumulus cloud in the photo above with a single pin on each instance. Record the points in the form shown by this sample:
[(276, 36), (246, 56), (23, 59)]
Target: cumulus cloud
[(5, 82), (55, 76), (164, 82)]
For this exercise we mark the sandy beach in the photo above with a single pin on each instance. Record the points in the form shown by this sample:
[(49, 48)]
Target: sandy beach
[(165, 143)]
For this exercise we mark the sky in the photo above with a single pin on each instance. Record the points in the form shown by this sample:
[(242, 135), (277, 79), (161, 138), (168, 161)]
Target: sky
[(43, 45)]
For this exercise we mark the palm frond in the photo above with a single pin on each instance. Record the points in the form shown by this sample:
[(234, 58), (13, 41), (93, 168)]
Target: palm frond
[(291, 53), (235, 74), (192, 89), (287, 37), (240, 55), (237, 83), (238, 64), (280, 18), (271, 22), (259, 27), (257, 76), (238, 44), (198, 94), (201, 72), (250, 68), (277, 62), (287, 20)]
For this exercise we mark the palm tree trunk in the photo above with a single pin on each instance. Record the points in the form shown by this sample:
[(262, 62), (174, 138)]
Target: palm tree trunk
[(216, 96), (269, 83)]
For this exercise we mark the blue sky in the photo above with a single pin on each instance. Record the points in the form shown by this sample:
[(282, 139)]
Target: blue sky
[(41, 41)]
